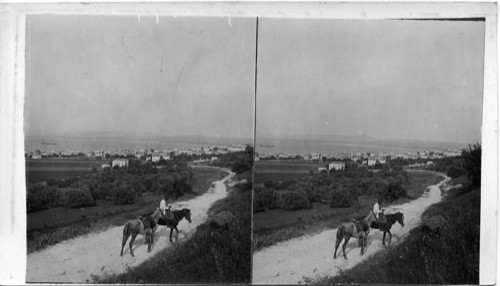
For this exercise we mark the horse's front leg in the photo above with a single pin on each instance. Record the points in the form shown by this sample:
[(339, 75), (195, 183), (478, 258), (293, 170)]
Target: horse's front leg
[(150, 241), (362, 247), (345, 244), (383, 238), (171, 231), (390, 236)]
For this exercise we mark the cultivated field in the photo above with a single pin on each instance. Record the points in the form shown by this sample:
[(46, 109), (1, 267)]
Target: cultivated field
[(44, 169), (282, 170)]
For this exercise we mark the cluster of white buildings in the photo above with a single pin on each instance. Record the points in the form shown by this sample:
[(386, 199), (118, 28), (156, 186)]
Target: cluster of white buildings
[(369, 159), (153, 155)]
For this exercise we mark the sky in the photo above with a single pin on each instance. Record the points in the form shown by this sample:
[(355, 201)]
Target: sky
[(409, 80), (389, 80), (175, 77)]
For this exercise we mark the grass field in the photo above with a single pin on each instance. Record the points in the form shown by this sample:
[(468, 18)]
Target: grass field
[(273, 226), (282, 170), (450, 258), (54, 225), (44, 169)]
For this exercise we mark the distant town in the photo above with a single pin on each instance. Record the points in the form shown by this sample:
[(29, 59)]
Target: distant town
[(121, 157), (337, 161)]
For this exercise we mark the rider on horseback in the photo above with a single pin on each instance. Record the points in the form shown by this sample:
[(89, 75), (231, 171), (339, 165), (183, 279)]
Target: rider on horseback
[(167, 213), (379, 214)]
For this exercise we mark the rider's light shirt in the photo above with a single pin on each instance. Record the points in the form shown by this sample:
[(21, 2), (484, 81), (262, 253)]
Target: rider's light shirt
[(376, 209), (163, 205)]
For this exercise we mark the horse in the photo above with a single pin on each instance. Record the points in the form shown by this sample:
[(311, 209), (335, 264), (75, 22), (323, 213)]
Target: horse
[(369, 220), (178, 216), (145, 225), (352, 229), (386, 227)]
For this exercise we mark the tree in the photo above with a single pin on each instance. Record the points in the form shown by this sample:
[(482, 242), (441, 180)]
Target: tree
[(125, 195), (77, 198)]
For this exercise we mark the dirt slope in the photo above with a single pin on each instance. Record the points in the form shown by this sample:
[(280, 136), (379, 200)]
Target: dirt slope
[(304, 259), (78, 259)]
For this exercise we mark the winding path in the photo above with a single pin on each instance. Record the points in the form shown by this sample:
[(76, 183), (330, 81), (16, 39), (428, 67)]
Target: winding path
[(308, 258), (98, 254)]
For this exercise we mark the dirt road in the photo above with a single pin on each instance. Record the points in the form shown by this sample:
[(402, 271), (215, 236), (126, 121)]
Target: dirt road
[(97, 254), (305, 259)]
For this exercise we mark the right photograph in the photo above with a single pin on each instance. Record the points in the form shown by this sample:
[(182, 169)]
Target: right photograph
[(368, 151)]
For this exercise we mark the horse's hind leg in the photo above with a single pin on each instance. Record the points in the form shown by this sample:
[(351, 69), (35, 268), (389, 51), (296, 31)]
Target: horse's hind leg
[(390, 236), (134, 235), (337, 243), (383, 238), (346, 240), (124, 241), (171, 231)]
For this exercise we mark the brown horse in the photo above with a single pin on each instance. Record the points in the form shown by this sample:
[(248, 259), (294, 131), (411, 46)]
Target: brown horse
[(178, 216), (348, 230), (145, 226), (359, 228)]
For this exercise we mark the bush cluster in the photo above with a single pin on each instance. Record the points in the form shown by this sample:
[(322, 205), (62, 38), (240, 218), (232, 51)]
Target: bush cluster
[(123, 186), (455, 171), (125, 195), (41, 197), (342, 198), (264, 199), (76, 198), (292, 200)]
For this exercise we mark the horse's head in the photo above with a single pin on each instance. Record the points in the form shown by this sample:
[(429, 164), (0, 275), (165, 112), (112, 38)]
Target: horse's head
[(157, 214), (370, 218), (187, 214), (401, 218)]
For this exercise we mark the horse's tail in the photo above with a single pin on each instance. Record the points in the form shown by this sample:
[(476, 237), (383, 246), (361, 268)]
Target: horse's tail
[(126, 229), (340, 232)]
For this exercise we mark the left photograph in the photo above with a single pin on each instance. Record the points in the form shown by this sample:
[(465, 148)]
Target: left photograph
[(139, 149)]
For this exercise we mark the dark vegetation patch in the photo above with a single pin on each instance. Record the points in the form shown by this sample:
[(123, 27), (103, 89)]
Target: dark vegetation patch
[(283, 171), (45, 169)]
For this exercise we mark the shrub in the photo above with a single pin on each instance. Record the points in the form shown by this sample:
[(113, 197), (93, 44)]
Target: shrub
[(101, 192), (41, 197), (455, 171), (395, 191), (181, 187), (342, 198), (125, 195), (76, 198), (241, 165), (34, 203), (293, 200), (472, 164), (264, 199), (269, 184)]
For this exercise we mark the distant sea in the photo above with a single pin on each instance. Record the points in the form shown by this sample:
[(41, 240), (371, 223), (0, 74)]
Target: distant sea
[(325, 147), (93, 144)]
